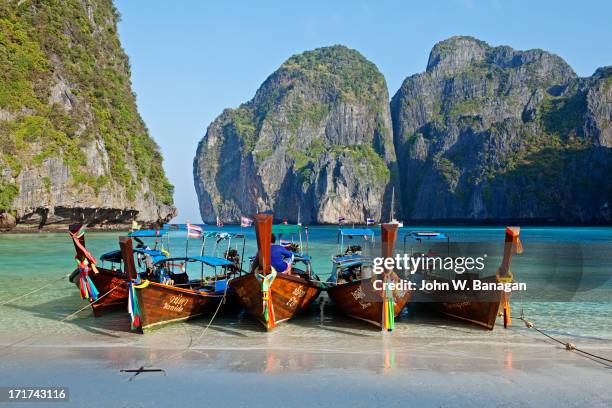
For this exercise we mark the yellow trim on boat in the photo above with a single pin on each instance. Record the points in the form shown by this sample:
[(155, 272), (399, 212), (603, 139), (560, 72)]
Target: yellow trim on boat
[(143, 285)]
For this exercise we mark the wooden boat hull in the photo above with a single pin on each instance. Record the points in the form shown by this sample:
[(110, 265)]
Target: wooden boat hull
[(359, 300), (290, 295), (162, 304), (105, 280), (477, 307)]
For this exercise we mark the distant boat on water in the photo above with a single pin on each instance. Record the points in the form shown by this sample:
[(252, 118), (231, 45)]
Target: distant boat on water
[(393, 220)]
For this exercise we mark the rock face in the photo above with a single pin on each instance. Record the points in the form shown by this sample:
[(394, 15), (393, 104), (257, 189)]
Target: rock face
[(491, 133), (316, 139), (73, 146)]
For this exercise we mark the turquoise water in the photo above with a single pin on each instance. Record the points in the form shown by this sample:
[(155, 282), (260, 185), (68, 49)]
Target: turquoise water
[(567, 271)]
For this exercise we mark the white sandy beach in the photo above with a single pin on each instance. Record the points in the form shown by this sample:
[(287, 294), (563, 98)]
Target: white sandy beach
[(303, 363)]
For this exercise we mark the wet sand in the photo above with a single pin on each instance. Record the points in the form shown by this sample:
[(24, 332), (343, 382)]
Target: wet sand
[(308, 362)]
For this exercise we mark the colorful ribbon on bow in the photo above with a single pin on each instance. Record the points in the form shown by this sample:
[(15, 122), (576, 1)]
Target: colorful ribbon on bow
[(388, 308), (268, 308), (505, 297), (86, 286), (133, 307)]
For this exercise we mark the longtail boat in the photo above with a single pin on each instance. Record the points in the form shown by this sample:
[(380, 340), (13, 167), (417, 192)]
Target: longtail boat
[(267, 295), (94, 281), (481, 307), (107, 288), (168, 294), (358, 293)]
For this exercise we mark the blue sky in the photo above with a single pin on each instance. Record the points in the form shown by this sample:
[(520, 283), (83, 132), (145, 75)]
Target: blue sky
[(192, 59)]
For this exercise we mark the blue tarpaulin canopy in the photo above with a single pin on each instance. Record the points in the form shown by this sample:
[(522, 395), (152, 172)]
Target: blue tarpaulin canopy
[(115, 256), (425, 235), (207, 260), (152, 252), (156, 255), (356, 231), (112, 256)]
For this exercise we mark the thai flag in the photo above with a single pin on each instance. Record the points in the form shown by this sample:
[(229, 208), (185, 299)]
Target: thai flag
[(245, 222), (193, 231), (370, 221), (219, 222), (341, 219)]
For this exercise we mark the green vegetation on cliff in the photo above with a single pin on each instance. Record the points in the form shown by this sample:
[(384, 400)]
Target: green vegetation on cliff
[(318, 126), (310, 84), (495, 133), (70, 48), (339, 68)]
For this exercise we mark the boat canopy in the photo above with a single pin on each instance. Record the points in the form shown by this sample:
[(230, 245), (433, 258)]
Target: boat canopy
[(282, 229), (419, 237), (144, 251), (147, 233), (156, 255), (207, 260), (115, 256), (356, 231), (425, 235), (112, 256), (346, 261)]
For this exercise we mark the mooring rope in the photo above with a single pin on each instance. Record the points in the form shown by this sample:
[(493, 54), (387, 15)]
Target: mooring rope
[(62, 320), (568, 346), (34, 291), (89, 304), (209, 322)]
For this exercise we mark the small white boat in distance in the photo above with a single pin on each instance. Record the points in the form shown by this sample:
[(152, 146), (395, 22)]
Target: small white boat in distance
[(393, 220)]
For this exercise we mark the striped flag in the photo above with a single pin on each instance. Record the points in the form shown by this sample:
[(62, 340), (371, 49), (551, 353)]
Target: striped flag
[(245, 222), (194, 231), (370, 221), (219, 222), (341, 219)]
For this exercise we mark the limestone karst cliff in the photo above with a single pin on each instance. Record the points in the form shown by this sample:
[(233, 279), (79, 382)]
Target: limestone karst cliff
[(492, 133), (72, 144), (315, 139), (486, 133)]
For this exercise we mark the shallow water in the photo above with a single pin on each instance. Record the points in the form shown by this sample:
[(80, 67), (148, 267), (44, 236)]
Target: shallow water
[(567, 271)]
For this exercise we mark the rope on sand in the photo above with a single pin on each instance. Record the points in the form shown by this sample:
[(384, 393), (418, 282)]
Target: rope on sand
[(34, 291), (568, 346), (65, 318), (89, 304)]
